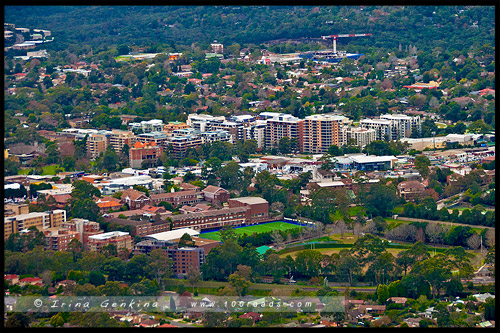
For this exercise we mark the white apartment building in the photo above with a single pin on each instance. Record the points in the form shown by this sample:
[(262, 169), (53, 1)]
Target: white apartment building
[(404, 125), (203, 122), (217, 135), (362, 136), (147, 126), (257, 132), (382, 127)]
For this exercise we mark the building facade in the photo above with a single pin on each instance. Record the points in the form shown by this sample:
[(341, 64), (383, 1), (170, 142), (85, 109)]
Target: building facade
[(96, 144), (322, 131), (144, 152), (283, 125), (257, 208), (40, 220), (362, 136), (120, 239)]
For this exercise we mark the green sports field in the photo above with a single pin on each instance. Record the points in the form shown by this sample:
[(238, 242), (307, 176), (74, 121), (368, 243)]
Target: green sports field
[(258, 228)]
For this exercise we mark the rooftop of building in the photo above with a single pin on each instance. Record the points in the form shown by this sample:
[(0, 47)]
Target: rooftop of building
[(251, 200), (108, 235), (173, 234)]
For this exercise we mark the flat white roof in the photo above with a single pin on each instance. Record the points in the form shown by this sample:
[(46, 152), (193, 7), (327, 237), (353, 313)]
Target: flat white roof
[(109, 235), (371, 159), (331, 184), (133, 180), (251, 200), (173, 234)]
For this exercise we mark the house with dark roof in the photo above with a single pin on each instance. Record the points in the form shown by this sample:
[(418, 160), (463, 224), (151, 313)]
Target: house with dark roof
[(411, 189)]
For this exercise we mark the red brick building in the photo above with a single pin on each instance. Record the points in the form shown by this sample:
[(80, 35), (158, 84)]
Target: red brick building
[(140, 152), (84, 228), (134, 199), (210, 219), (258, 208), (58, 239), (120, 239), (215, 194), (180, 198)]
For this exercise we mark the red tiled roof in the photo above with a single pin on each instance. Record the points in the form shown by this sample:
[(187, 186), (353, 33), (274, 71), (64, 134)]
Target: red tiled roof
[(108, 204), (213, 189), (10, 276), (30, 279)]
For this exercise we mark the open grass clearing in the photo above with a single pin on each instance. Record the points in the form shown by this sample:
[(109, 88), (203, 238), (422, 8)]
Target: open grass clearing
[(258, 228), (46, 170)]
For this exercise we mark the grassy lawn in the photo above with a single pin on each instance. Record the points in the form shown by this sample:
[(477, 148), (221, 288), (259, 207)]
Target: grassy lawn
[(259, 228), (353, 211), (329, 252), (23, 171), (47, 170)]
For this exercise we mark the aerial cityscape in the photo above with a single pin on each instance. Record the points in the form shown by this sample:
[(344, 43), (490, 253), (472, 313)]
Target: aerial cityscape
[(249, 166)]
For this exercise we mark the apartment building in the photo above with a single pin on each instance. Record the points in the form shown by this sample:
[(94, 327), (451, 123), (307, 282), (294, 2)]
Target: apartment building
[(120, 239), (172, 126), (186, 258), (118, 139), (84, 228), (180, 144), (144, 152), (147, 126), (96, 144), (203, 122), (383, 128), (362, 136), (322, 131), (159, 138), (403, 125), (216, 135), (58, 239), (217, 47), (283, 125), (235, 129), (210, 219), (40, 220), (15, 209), (257, 132)]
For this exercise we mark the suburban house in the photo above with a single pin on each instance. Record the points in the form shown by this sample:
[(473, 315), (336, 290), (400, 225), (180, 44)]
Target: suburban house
[(410, 189), (34, 281), (252, 315), (11, 278)]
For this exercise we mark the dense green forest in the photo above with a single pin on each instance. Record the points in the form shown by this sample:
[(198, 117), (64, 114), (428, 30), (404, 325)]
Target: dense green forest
[(177, 27)]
